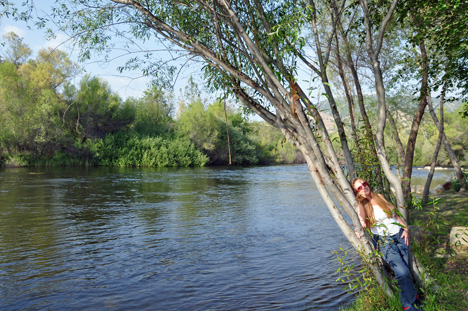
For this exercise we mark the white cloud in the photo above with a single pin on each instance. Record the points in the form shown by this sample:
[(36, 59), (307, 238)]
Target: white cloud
[(126, 86), (60, 42), (10, 28)]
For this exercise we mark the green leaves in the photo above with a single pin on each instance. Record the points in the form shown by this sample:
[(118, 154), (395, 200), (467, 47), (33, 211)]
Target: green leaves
[(16, 51)]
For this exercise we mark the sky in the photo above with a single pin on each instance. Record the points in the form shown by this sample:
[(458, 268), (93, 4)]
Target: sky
[(126, 84)]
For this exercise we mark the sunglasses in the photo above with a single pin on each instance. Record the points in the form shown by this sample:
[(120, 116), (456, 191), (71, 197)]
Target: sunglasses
[(364, 184)]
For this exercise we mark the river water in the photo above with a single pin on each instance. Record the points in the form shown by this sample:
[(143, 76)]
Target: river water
[(255, 238)]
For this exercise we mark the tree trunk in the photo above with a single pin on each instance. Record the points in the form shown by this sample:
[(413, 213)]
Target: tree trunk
[(227, 132), (380, 91), (349, 98), (448, 147), (425, 194), (409, 154), (323, 62), (369, 136), (396, 136)]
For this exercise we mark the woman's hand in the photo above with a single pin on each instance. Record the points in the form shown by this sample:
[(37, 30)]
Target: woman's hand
[(405, 235), (358, 235)]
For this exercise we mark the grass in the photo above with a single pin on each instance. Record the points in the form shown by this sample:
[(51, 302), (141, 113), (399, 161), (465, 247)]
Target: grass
[(446, 264)]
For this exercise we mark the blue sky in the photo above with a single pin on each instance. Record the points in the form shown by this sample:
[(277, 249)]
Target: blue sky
[(126, 84)]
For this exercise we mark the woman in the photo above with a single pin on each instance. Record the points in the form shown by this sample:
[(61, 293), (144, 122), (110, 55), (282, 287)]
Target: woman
[(391, 234)]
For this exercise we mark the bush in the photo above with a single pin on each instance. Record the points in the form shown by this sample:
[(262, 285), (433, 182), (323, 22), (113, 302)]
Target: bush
[(16, 160), (132, 149), (456, 184)]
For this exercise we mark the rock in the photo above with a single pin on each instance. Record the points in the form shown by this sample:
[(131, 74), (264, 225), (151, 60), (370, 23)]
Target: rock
[(417, 189), (437, 190), (459, 236), (447, 185)]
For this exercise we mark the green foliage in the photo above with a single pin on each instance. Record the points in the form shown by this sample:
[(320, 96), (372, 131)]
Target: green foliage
[(361, 282), (455, 131), (16, 52), (50, 70), (464, 110), (95, 110), (153, 112), (456, 183), (200, 126), (46, 121), (206, 128), (273, 145), (131, 149), (15, 160), (431, 225), (432, 249)]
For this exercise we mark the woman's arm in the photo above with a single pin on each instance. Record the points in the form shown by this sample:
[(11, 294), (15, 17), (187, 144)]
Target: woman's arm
[(405, 234), (362, 217)]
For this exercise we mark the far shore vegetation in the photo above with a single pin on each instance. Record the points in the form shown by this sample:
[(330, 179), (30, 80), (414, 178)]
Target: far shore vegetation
[(48, 121)]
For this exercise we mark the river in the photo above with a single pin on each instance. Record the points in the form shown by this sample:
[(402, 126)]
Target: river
[(257, 238)]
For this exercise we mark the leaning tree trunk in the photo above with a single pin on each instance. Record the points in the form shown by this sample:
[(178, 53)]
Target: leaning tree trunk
[(349, 98), (448, 147), (409, 154), (373, 53), (368, 134), (243, 55), (323, 59), (425, 194)]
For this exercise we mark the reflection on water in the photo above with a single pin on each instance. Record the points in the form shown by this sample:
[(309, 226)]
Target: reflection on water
[(167, 239), (441, 176)]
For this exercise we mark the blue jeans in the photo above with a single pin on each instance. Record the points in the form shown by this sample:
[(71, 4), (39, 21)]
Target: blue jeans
[(396, 253)]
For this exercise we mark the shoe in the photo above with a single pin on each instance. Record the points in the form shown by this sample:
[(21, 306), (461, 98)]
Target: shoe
[(418, 303), (411, 308)]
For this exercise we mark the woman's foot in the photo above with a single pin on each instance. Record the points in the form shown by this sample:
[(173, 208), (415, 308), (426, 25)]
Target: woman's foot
[(418, 302)]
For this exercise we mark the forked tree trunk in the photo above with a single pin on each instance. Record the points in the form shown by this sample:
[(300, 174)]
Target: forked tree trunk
[(425, 194), (448, 147), (373, 52), (409, 154)]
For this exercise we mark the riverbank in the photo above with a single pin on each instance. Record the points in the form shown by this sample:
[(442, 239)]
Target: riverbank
[(447, 264)]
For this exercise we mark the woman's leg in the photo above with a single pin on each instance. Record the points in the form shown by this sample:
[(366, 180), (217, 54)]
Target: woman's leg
[(397, 257)]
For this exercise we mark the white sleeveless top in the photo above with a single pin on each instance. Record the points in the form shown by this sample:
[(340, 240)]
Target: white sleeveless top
[(384, 226)]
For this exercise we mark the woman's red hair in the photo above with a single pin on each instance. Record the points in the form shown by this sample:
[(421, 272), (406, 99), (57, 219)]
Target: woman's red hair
[(384, 204)]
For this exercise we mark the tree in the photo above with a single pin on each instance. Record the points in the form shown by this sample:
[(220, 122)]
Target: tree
[(154, 111), (17, 52), (94, 110), (51, 69), (30, 100), (253, 50), (438, 28)]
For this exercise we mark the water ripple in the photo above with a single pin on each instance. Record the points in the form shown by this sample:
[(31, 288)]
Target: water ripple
[(187, 239)]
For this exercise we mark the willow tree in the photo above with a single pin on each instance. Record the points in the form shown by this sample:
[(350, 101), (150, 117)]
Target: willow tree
[(252, 49)]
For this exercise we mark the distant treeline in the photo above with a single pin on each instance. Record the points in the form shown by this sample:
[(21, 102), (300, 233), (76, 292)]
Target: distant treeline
[(45, 120)]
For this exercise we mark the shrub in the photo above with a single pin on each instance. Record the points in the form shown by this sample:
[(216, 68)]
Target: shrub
[(132, 149)]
